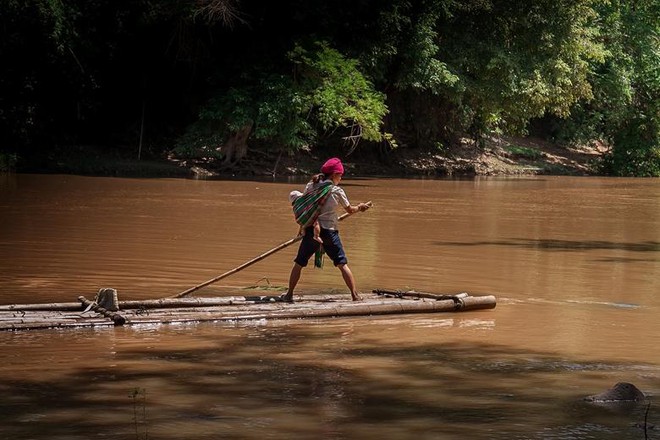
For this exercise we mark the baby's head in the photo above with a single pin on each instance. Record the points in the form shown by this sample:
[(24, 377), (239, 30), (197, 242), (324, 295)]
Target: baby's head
[(293, 195)]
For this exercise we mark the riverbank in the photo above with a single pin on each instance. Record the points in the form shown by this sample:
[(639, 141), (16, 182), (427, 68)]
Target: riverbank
[(499, 156), (502, 156)]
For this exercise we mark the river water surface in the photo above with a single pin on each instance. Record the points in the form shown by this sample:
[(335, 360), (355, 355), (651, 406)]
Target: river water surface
[(574, 264)]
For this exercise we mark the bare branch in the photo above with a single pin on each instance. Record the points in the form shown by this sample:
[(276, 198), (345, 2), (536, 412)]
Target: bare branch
[(354, 138), (223, 11)]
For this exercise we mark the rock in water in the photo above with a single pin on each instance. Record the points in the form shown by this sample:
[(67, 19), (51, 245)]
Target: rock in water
[(621, 392)]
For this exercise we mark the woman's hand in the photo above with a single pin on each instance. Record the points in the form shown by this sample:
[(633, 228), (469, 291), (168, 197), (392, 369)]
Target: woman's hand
[(360, 207)]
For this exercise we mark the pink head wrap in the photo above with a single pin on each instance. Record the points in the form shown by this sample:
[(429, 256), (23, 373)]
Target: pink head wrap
[(332, 166)]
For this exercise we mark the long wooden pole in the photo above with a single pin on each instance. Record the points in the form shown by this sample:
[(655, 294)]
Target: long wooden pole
[(249, 263)]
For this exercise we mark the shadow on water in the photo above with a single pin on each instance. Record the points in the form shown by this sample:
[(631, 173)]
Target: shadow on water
[(261, 386), (627, 260), (561, 245)]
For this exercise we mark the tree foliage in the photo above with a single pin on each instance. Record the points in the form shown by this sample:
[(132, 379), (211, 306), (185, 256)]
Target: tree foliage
[(629, 88), (519, 60), (298, 73), (322, 92)]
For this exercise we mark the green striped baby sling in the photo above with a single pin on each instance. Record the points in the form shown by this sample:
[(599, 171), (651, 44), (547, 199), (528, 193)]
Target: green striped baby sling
[(307, 208)]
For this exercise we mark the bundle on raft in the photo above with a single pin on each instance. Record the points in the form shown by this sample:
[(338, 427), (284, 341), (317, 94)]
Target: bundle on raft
[(107, 310)]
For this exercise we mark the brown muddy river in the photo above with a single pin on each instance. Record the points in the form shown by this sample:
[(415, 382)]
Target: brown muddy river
[(574, 264)]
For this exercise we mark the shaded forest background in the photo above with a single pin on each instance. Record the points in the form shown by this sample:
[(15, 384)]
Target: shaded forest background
[(216, 82)]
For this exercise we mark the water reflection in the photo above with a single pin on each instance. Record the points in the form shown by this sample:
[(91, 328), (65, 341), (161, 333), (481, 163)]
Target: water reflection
[(304, 380), (562, 245)]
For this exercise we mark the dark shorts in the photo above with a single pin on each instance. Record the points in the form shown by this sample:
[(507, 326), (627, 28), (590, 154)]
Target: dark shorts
[(331, 245)]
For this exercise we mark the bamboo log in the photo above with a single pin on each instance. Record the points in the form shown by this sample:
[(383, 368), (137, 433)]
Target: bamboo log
[(414, 294), (181, 302), (115, 317), (197, 302), (33, 319), (37, 307), (479, 302), (133, 304), (51, 324), (145, 304), (250, 262), (334, 310)]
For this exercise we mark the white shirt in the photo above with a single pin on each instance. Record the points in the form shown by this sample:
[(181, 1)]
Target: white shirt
[(329, 219)]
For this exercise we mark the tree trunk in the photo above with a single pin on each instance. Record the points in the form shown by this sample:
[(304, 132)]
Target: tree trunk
[(235, 148)]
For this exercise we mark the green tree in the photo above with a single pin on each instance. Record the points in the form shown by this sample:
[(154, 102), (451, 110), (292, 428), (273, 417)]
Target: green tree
[(79, 72), (57, 59), (324, 92), (629, 86), (482, 65), (428, 71), (624, 111)]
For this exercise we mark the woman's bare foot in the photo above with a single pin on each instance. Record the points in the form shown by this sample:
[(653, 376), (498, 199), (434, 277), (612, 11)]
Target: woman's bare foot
[(356, 297), (287, 297)]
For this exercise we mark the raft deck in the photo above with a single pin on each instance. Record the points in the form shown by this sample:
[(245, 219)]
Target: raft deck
[(86, 313)]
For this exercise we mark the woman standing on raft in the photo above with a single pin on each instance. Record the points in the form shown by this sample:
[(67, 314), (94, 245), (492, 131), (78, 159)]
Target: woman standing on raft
[(331, 171)]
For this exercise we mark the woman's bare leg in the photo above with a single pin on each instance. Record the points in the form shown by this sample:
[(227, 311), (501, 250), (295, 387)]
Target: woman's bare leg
[(350, 281), (294, 277)]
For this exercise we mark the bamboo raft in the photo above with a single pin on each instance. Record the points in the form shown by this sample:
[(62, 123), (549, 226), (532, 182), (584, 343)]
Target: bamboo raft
[(101, 313)]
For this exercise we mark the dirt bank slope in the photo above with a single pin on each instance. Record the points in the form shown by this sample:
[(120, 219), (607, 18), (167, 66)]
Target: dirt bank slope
[(501, 156)]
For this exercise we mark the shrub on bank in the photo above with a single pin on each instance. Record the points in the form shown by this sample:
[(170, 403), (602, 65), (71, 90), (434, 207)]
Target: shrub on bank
[(7, 162)]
